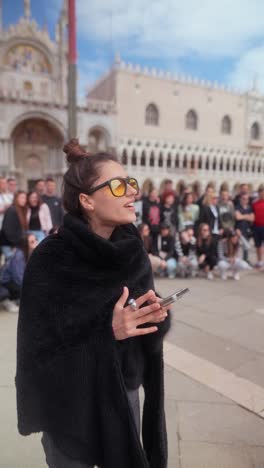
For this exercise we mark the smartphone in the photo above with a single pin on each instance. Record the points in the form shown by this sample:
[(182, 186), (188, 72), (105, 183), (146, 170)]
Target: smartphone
[(174, 297)]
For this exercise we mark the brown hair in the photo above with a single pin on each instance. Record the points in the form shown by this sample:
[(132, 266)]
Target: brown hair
[(84, 170), (21, 210), (199, 236), (38, 198)]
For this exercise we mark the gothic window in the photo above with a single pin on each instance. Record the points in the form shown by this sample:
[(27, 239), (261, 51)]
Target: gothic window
[(193, 162), (255, 131), (143, 159), (177, 161), (214, 164), (191, 120), (152, 115), (200, 162), (221, 165), (228, 165), (134, 159), (124, 157), (160, 163), (234, 165), (169, 161), (185, 162), (207, 163), (226, 125), (152, 160)]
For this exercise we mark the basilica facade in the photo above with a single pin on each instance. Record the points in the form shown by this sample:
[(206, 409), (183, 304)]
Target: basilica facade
[(160, 125)]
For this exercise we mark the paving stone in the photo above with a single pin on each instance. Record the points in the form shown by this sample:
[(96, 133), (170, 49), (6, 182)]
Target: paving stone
[(205, 455), (220, 351), (222, 424), (182, 388)]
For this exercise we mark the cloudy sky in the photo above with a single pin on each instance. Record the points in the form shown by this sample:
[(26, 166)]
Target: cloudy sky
[(214, 40)]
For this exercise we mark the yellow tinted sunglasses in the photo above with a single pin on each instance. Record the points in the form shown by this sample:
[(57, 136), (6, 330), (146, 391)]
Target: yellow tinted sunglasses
[(118, 186)]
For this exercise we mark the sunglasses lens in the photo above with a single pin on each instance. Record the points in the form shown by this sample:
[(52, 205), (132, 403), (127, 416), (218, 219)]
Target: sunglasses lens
[(134, 184), (118, 187)]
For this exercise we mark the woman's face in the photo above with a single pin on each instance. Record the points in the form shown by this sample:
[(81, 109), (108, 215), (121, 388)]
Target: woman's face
[(205, 232), (22, 199), (33, 199), (145, 231), (102, 207), (32, 242)]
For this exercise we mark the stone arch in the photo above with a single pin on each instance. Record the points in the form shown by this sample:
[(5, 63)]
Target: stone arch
[(193, 162), (152, 159), (143, 159), (134, 158), (214, 164), (38, 115), (200, 162), (160, 160), (255, 131), (98, 139), (226, 125), (169, 161), (227, 164), (185, 161), (207, 163), (124, 158), (37, 150), (235, 165), (177, 161)]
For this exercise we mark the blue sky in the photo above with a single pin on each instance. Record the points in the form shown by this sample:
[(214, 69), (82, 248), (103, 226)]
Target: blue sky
[(216, 40)]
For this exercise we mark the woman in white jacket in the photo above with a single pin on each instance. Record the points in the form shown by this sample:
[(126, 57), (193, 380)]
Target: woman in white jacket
[(38, 216)]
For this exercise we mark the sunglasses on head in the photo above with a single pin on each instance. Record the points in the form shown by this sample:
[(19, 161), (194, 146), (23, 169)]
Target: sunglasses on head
[(118, 186)]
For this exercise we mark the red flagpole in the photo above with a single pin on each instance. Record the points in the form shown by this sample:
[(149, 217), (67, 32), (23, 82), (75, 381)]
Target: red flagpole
[(72, 72)]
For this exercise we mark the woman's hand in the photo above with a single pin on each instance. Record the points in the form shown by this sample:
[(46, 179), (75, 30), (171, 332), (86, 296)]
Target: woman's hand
[(126, 320)]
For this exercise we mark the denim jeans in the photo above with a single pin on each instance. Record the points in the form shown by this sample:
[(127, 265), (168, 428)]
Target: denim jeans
[(56, 459)]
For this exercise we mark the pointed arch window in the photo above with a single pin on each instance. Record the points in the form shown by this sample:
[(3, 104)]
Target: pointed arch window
[(191, 120), (255, 131), (152, 115), (226, 126)]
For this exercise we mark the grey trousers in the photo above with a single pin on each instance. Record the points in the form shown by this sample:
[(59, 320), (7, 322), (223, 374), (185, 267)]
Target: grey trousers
[(56, 459)]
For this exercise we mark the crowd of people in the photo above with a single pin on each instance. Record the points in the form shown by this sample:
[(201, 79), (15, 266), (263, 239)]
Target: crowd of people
[(189, 234), (25, 219), (185, 234)]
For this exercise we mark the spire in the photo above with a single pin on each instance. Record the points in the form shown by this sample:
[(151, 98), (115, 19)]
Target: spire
[(27, 9)]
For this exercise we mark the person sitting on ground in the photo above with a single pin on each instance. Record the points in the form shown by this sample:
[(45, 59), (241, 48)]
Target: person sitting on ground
[(229, 258), (13, 271), (206, 250), (38, 216), (185, 246), (14, 224), (157, 264), (166, 251)]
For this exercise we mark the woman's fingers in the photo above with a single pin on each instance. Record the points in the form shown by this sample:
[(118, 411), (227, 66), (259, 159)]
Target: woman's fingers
[(147, 310), (144, 331), (123, 298), (154, 317), (149, 296)]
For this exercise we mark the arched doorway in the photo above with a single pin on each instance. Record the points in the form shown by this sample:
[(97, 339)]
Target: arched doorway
[(98, 140), (37, 151)]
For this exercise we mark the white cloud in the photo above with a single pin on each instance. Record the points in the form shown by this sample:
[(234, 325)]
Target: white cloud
[(249, 68), (173, 28)]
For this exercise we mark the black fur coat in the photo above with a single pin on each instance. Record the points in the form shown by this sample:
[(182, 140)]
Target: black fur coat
[(69, 378)]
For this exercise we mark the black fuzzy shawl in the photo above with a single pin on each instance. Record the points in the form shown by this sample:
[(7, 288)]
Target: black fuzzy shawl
[(69, 378)]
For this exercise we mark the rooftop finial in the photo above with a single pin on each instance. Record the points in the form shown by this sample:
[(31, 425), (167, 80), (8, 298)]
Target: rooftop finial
[(27, 9)]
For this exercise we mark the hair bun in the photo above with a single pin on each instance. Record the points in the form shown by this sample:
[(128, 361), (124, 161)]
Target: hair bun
[(74, 152)]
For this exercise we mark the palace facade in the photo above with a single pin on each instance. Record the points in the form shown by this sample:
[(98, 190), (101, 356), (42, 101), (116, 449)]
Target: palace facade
[(160, 125)]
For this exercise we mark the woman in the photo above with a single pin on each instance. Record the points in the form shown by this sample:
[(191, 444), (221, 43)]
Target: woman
[(14, 224), (38, 216), (188, 212), (229, 258), (80, 355), (158, 265), (13, 271), (206, 250)]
